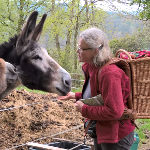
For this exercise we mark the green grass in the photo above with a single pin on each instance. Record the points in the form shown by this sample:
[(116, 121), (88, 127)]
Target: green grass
[(41, 92), (144, 127), (29, 90), (77, 90)]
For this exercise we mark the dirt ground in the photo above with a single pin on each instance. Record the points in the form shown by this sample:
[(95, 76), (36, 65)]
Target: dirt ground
[(40, 118)]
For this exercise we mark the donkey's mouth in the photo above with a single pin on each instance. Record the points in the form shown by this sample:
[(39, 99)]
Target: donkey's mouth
[(61, 91)]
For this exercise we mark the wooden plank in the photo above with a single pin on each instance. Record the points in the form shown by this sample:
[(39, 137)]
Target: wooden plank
[(42, 146), (66, 140)]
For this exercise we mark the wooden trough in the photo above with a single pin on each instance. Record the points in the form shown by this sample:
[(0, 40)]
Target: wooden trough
[(61, 145), (37, 146)]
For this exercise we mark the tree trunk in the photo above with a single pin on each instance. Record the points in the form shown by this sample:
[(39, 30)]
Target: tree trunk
[(57, 42), (21, 15), (53, 6), (57, 35), (75, 43), (93, 14), (68, 41), (87, 11), (76, 34)]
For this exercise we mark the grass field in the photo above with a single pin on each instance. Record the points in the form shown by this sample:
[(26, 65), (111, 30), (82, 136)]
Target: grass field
[(34, 91), (144, 129)]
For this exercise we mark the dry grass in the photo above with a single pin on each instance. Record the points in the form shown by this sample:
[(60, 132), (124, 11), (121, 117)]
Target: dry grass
[(28, 123)]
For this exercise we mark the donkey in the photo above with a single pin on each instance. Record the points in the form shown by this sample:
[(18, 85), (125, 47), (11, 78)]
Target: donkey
[(3, 83), (9, 78), (30, 64)]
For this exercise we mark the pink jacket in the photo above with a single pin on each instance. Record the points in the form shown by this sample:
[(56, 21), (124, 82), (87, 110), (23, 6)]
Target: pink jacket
[(114, 87)]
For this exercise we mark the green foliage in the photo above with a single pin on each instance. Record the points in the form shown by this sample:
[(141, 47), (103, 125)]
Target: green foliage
[(138, 41), (29, 90), (76, 90), (145, 4), (144, 128), (8, 17), (66, 18), (99, 17), (55, 23), (63, 25), (13, 15), (128, 43)]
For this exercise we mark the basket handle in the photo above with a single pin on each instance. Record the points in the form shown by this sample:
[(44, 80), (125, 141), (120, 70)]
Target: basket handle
[(124, 51)]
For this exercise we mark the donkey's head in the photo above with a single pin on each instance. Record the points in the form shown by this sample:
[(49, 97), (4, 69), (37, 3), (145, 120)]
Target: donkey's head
[(37, 70)]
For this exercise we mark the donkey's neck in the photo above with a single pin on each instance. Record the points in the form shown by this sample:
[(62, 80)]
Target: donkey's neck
[(8, 51), (9, 89)]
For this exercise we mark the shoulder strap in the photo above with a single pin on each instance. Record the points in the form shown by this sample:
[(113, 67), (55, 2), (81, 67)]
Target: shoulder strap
[(124, 65)]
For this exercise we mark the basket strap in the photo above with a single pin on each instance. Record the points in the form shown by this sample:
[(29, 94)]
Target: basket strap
[(123, 51), (129, 113), (87, 127)]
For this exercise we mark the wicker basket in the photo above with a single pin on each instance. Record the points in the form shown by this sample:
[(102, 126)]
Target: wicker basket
[(140, 84)]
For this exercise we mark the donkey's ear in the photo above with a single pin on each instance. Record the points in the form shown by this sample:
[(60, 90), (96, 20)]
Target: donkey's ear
[(27, 29), (38, 29)]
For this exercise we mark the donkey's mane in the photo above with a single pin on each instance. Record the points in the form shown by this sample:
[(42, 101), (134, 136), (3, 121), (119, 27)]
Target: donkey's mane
[(7, 50)]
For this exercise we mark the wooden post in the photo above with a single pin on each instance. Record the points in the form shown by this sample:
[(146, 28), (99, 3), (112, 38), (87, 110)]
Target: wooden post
[(43, 146)]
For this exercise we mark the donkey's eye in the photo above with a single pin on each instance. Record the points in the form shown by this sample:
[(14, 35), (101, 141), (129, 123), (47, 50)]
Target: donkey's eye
[(37, 57)]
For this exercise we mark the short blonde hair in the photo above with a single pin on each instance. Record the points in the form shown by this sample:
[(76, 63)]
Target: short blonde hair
[(96, 38)]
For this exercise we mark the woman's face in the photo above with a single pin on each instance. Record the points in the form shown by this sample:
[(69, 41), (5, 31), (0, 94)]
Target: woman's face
[(85, 52)]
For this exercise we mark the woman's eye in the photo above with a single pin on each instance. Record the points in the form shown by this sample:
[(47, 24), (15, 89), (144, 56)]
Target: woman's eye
[(37, 57)]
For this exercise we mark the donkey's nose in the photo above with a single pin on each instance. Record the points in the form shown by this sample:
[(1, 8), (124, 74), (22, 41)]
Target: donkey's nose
[(67, 80)]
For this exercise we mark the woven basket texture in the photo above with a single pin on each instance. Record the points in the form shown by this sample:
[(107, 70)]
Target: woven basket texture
[(140, 81), (140, 85)]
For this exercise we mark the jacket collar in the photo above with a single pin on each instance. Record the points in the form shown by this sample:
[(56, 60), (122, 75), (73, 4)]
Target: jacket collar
[(91, 71)]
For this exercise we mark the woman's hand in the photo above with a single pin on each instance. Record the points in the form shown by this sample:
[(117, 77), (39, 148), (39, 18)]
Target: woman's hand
[(70, 95), (79, 106)]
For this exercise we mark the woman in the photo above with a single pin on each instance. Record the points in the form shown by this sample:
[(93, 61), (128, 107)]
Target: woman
[(112, 83)]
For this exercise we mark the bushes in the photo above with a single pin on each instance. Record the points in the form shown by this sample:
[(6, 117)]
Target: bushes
[(138, 41), (129, 43)]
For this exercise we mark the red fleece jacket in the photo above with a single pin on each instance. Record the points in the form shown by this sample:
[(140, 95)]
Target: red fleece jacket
[(114, 86)]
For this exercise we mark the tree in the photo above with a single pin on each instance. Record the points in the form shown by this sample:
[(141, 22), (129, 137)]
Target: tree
[(65, 19), (69, 18), (136, 42), (13, 14), (145, 4)]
